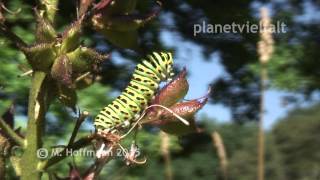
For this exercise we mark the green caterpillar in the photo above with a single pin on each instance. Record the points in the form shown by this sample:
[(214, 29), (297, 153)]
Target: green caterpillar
[(125, 109)]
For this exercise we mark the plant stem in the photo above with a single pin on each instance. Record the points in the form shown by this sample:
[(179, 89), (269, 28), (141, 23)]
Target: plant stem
[(261, 150), (221, 152), (51, 7), (80, 120), (8, 131), (165, 143), (64, 153), (36, 116)]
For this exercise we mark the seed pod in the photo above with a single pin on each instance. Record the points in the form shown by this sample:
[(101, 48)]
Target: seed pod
[(170, 123), (83, 59), (62, 70), (186, 110), (40, 56), (71, 37)]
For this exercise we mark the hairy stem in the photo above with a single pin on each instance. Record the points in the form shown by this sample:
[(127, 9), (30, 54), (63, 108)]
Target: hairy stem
[(50, 7), (36, 116)]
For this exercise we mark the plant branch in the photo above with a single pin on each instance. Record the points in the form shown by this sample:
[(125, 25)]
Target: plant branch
[(63, 154), (80, 120), (9, 132), (165, 143), (51, 7)]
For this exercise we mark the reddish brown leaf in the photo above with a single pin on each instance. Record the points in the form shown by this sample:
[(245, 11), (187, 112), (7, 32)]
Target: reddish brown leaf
[(186, 110), (171, 124), (102, 4), (174, 91)]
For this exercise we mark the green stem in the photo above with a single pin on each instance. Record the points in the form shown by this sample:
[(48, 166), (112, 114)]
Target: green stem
[(36, 117), (10, 133), (80, 120), (51, 7)]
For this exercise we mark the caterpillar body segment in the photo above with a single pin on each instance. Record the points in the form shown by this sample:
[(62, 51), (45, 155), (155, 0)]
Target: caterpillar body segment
[(125, 109)]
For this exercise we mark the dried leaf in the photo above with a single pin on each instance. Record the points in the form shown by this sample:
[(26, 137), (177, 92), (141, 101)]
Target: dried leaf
[(171, 124), (174, 91), (185, 109)]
